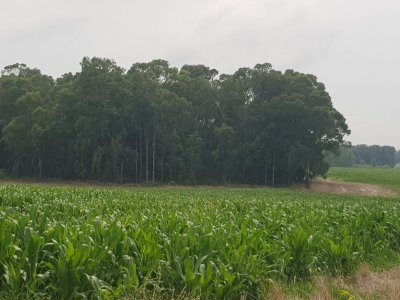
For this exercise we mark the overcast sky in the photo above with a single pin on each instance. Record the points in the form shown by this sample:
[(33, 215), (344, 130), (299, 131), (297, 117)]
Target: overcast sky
[(353, 46)]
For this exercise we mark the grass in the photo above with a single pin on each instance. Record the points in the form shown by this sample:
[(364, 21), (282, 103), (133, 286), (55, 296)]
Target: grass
[(381, 176), (164, 242)]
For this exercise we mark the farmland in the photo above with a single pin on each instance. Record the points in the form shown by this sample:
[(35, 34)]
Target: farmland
[(383, 176), (76, 243)]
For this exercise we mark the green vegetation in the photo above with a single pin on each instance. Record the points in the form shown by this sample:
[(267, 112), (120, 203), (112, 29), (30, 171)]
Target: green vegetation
[(158, 123), (382, 176), (3, 174), (73, 243), (398, 156), (363, 155)]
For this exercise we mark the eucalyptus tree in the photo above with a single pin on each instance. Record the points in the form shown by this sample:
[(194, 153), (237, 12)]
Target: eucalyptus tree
[(199, 86), (293, 122), (156, 122), (149, 95), (25, 117), (93, 105)]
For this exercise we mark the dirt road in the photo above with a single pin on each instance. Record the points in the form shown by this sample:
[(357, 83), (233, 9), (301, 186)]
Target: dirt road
[(339, 187)]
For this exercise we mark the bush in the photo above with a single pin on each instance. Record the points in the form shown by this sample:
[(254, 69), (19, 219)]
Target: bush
[(3, 174)]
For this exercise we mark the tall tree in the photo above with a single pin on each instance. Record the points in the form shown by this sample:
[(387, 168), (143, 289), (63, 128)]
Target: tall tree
[(156, 122)]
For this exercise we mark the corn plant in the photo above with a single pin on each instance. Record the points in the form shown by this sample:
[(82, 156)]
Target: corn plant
[(97, 243)]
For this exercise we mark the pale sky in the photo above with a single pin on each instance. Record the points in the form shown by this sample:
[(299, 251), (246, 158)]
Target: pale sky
[(352, 46)]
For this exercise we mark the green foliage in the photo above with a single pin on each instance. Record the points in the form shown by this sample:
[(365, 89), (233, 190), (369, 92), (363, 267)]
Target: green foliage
[(360, 155), (3, 174), (158, 123), (345, 158), (381, 176), (72, 243), (375, 155)]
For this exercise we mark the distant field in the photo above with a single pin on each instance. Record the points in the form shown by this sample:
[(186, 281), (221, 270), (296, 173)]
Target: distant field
[(379, 176), (224, 243)]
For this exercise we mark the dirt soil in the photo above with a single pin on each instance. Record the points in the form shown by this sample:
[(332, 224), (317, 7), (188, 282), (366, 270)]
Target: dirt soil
[(365, 285), (339, 187), (378, 285)]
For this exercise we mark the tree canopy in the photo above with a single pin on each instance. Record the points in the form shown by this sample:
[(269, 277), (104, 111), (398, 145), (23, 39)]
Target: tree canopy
[(364, 155), (155, 122)]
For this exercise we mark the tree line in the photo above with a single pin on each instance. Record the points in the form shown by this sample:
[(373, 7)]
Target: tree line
[(374, 155), (155, 122)]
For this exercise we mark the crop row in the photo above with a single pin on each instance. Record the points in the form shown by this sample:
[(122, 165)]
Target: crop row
[(78, 243)]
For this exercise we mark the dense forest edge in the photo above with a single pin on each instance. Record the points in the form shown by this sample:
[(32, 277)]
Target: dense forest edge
[(365, 156), (158, 123)]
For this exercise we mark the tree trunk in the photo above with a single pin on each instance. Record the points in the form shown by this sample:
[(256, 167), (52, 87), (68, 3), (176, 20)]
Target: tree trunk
[(15, 166), (170, 170), (154, 150), (122, 171), (146, 140), (136, 163), (307, 180), (291, 172), (115, 165), (273, 173), (224, 175), (265, 174), (140, 155), (162, 169), (40, 168)]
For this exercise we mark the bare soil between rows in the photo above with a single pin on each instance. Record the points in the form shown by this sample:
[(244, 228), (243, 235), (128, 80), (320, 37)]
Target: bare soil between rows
[(340, 187)]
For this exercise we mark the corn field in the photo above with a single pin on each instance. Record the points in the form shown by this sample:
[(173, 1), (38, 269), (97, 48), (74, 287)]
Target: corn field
[(98, 243)]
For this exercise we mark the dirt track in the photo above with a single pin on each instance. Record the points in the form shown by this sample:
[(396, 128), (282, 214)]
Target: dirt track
[(338, 187), (365, 284)]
